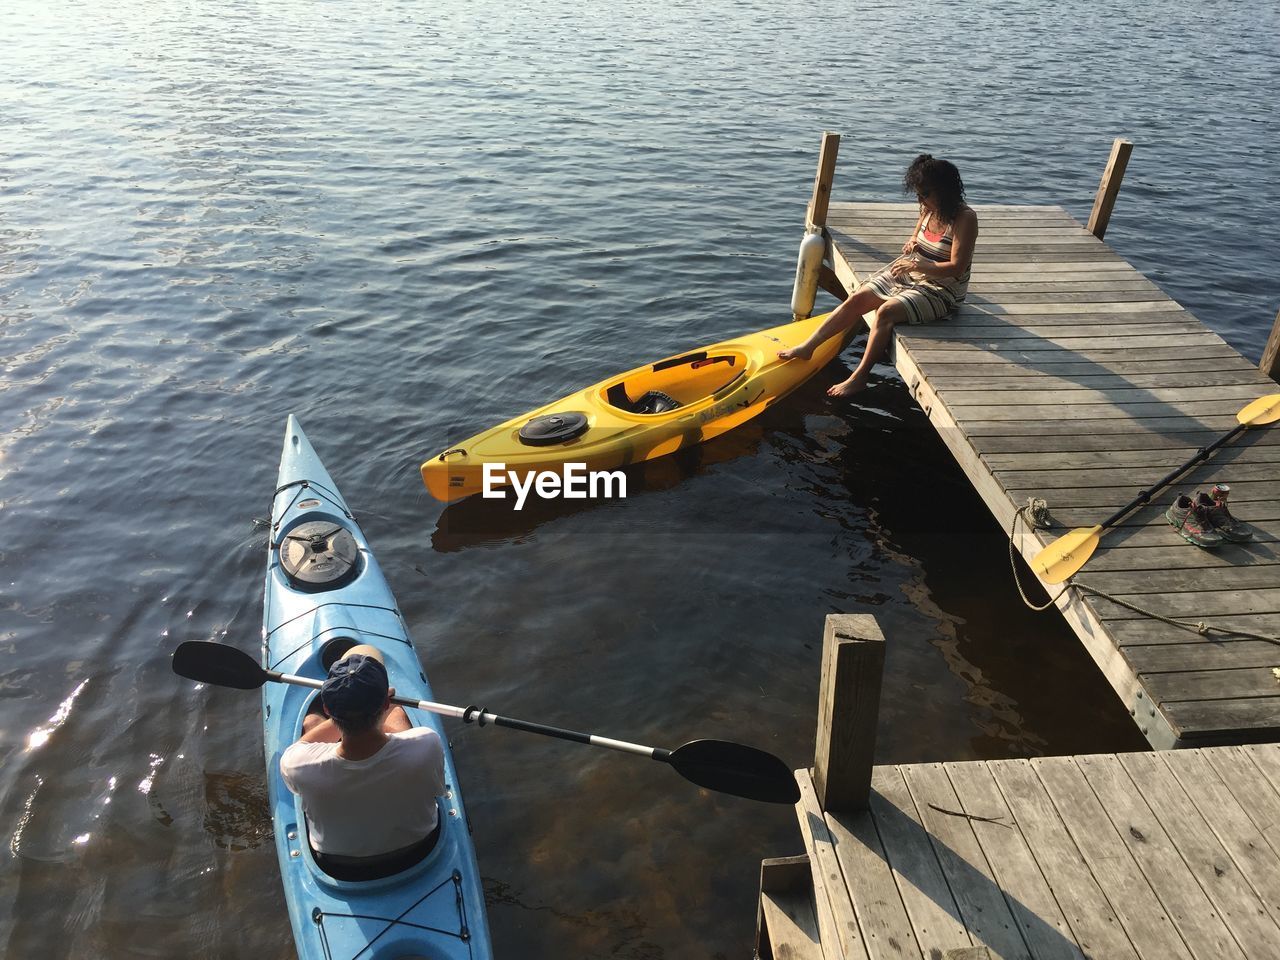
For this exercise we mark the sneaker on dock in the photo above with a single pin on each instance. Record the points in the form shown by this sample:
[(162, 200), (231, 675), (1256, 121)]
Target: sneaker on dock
[(1226, 526), (1192, 522)]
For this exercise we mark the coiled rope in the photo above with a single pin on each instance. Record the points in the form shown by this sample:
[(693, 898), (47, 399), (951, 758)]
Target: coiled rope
[(1034, 515)]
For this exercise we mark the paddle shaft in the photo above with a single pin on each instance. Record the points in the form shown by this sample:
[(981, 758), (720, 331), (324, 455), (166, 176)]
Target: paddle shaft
[(1144, 497), (481, 717)]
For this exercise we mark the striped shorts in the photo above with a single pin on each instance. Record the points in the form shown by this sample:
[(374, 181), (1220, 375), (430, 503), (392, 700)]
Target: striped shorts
[(923, 301)]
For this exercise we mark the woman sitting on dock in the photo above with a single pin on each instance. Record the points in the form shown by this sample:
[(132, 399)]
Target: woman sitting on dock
[(924, 284)]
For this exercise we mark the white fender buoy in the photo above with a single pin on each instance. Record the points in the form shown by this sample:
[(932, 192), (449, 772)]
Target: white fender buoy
[(808, 263)]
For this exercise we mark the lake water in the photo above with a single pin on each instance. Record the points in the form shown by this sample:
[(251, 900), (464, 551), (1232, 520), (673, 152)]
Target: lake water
[(407, 221)]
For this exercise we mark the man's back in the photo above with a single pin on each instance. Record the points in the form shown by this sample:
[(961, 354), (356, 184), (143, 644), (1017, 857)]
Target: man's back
[(367, 807)]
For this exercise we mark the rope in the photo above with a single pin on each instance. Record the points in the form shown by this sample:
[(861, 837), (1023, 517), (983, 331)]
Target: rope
[(1040, 520), (319, 489), (1038, 510), (318, 916)]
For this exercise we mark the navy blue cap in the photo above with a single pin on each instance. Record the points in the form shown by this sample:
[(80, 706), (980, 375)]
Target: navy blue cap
[(356, 687)]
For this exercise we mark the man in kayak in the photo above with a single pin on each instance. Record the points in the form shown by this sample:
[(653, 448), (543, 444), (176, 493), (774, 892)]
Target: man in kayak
[(367, 778), (927, 283)]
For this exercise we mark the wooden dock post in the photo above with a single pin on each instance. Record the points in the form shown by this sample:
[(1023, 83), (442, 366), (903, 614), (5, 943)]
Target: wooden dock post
[(848, 706), (1109, 187), (816, 215), (1270, 362)]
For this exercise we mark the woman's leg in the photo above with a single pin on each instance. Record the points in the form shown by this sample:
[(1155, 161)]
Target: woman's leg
[(863, 300), (890, 313)]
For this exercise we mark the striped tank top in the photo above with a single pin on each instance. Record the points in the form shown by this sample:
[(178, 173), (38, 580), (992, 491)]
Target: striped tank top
[(937, 247)]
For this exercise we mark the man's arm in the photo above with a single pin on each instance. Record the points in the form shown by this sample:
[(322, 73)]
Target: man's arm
[(326, 731)]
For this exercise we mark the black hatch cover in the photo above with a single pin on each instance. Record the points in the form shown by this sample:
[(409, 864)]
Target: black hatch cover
[(553, 428), (319, 555)]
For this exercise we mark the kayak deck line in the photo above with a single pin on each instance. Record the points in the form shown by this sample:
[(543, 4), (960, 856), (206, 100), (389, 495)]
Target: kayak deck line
[(328, 493), (363, 631), (1069, 376), (463, 933)]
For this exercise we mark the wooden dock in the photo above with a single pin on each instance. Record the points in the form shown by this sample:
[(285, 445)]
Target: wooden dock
[(1141, 856), (1069, 376)]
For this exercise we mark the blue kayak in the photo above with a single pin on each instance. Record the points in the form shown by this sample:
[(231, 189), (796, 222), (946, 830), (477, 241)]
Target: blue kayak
[(324, 593)]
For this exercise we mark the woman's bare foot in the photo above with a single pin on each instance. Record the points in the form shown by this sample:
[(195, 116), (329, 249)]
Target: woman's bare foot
[(802, 352), (847, 388)]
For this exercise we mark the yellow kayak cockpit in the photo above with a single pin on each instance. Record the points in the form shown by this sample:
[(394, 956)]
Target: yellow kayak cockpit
[(675, 383)]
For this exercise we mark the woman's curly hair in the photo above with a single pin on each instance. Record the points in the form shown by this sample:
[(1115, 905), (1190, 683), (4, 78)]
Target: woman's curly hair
[(929, 176)]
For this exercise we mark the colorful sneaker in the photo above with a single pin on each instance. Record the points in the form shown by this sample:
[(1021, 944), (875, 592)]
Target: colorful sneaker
[(1192, 522), (1227, 526)]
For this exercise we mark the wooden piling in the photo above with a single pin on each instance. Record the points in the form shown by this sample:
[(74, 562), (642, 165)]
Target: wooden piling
[(816, 215), (1270, 363), (1109, 187), (848, 704)]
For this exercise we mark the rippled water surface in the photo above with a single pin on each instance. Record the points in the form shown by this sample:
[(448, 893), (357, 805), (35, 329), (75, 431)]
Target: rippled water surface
[(406, 221)]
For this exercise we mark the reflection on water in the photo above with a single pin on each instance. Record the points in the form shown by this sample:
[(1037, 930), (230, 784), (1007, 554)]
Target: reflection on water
[(404, 223), (479, 520), (40, 736), (236, 814)]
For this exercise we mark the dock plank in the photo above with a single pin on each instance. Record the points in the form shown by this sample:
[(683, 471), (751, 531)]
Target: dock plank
[(1154, 632), (1213, 684), (1044, 927), (882, 918), (837, 923), (1194, 603), (922, 886), (1120, 395), (1244, 490), (1249, 575), (1121, 459), (1131, 556), (1197, 654), (1251, 718), (982, 906)]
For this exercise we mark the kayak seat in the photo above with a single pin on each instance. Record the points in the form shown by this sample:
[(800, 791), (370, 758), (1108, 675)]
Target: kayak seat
[(376, 867), (655, 401)]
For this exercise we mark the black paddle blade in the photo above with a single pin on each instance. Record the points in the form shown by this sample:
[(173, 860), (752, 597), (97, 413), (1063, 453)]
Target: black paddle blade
[(735, 768), (217, 664)]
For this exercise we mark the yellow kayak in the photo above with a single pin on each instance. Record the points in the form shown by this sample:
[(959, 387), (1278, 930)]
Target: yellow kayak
[(640, 415)]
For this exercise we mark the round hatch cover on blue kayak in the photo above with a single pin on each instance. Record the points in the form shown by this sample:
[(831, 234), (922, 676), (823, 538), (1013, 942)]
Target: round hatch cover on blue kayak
[(553, 428), (319, 555)]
